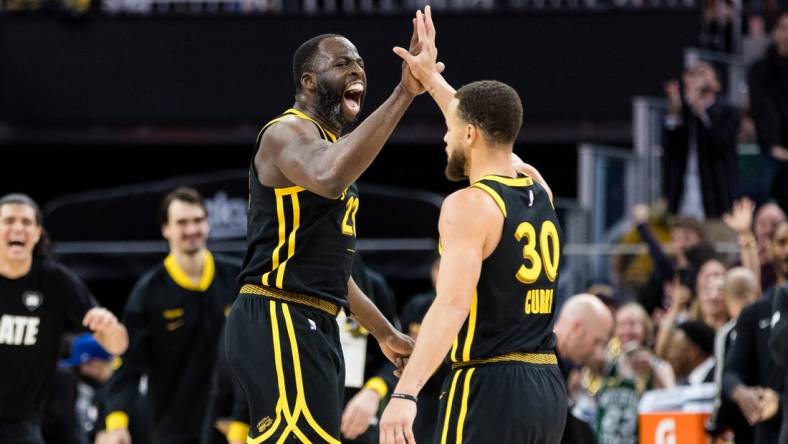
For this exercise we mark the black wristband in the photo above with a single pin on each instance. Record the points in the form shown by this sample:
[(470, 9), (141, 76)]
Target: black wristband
[(405, 396)]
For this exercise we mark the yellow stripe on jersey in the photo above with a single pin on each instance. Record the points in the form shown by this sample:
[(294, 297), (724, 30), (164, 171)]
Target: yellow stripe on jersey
[(280, 215), (510, 181), (466, 349), (330, 136), (324, 133), (265, 127), (464, 406), (280, 274), (284, 237), (496, 197)]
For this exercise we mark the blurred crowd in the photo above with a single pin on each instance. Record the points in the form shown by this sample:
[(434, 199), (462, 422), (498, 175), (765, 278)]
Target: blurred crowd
[(707, 140)]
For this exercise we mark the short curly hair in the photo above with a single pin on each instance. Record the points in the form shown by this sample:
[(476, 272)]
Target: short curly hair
[(494, 107), (304, 57)]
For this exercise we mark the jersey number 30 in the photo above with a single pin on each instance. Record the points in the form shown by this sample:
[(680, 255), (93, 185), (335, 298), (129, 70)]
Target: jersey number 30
[(547, 255)]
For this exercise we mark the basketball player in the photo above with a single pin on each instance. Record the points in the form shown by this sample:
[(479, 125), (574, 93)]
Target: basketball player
[(493, 313), (282, 336)]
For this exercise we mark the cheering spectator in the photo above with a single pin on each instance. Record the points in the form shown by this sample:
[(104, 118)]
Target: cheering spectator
[(700, 146)]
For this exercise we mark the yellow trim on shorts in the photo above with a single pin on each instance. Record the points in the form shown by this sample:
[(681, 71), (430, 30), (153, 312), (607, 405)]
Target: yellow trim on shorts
[(448, 406), (282, 404), (464, 406), (528, 358), (494, 194), (301, 397), (296, 298)]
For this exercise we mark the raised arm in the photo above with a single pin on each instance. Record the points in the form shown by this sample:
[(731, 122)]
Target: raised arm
[(294, 147), (327, 169), (421, 61), (739, 219)]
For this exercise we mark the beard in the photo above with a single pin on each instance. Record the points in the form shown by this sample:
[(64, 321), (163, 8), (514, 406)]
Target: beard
[(329, 99), (455, 166)]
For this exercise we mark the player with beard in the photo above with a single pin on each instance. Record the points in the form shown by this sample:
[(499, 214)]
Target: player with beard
[(174, 315), (494, 309), (282, 336), (39, 300)]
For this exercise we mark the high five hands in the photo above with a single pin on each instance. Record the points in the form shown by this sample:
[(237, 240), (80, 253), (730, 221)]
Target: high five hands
[(422, 55)]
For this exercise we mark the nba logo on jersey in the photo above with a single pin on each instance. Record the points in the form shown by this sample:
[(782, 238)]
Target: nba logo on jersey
[(32, 300), (312, 325)]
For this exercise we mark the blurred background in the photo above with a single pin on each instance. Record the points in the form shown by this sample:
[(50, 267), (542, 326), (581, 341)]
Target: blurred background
[(107, 104), (648, 118)]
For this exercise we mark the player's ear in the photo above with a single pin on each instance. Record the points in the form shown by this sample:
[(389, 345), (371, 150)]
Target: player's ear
[(471, 133), (308, 81)]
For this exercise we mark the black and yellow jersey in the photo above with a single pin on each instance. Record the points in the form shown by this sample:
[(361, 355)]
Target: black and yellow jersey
[(513, 304), (174, 326), (298, 241)]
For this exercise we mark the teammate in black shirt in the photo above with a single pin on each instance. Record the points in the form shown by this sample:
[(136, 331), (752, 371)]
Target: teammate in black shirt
[(501, 245), (282, 336), (174, 314), (39, 300)]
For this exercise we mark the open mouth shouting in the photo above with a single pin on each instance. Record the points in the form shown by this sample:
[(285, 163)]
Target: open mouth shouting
[(15, 245), (352, 98)]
